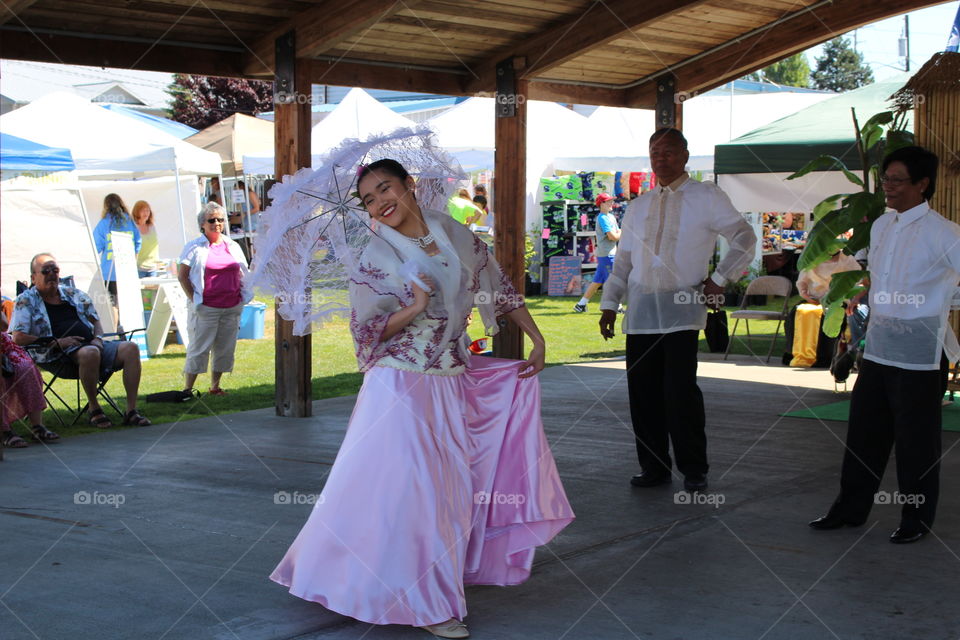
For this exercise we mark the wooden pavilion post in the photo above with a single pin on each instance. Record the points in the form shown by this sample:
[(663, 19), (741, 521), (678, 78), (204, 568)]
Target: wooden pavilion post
[(293, 396), (510, 169)]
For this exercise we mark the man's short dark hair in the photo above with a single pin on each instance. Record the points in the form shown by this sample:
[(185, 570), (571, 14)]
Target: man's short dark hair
[(920, 163), (669, 131)]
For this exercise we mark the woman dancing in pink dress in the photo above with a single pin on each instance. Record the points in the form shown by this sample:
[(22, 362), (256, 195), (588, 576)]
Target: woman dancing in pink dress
[(445, 477)]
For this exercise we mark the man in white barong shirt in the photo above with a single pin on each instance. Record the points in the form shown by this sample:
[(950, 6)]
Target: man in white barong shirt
[(668, 237), (914, 269)]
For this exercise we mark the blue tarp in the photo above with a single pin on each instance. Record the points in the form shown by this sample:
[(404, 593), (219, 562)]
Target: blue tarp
[(17, 154), (177, 129)]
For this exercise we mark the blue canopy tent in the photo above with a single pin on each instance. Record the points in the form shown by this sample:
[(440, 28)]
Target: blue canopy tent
[(17, 154), (166, 125)]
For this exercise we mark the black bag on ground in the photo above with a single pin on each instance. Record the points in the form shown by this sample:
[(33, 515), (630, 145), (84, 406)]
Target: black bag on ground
[(173, 396), (717, 331)]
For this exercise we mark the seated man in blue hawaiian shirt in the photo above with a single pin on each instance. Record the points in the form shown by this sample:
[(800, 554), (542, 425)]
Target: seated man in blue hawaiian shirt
[(52, 310)]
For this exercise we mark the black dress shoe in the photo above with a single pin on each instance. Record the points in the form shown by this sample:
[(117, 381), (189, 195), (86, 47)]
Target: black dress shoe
[(904, 535), (650, 479), (830, 521), (695, 482)]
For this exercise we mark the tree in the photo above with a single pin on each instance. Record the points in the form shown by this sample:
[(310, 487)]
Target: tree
[(792, 72), (841, 68), (200, 101)]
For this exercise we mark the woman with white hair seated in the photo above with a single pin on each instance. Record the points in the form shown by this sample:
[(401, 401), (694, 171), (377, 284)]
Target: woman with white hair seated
[(212, 272)]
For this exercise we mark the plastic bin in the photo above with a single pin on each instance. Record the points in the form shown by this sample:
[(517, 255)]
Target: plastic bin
[(251, 321)]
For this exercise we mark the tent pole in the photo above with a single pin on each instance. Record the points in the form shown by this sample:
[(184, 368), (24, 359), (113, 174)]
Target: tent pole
[(183, 227)]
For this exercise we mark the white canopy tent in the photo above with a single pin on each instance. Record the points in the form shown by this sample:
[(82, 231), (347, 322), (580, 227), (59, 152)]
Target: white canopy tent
[(617, 138), (358, 116), (47, 214), (467, 131), (108, 146), (105, 145)]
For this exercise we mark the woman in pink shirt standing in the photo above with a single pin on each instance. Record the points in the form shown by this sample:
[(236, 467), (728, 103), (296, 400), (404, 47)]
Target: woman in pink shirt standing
[(212, 271)]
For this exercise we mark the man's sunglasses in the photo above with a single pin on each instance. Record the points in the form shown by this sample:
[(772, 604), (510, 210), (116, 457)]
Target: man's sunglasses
[(216, 220), (48, 270)]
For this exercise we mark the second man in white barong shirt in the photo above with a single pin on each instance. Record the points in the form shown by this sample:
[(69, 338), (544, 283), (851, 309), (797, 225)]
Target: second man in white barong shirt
[(896, 401), (668, 237)]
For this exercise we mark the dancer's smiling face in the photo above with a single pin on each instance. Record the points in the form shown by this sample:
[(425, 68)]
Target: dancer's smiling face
[(388, 198)]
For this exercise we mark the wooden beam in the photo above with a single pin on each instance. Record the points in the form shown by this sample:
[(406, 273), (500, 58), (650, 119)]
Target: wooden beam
[(601, 23), (97, 52), (509, 192), (10, 10), (322, 27), (293, 395), (369, 76), (559, 92), (776, 43)]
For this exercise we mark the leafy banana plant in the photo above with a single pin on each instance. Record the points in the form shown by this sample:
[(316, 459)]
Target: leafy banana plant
[(840, 214)]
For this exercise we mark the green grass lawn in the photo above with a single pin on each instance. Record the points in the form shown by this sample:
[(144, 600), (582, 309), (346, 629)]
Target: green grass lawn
[(571, 338)]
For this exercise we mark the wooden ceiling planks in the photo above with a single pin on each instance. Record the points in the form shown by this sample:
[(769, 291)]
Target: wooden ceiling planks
[(606, 52)]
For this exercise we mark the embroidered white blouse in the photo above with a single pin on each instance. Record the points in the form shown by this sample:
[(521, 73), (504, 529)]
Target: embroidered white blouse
[(914, 270), (465, 275), (666, 243)]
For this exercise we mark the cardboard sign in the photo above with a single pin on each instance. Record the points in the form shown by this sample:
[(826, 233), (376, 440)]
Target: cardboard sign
[(129, 300), (170, 304)]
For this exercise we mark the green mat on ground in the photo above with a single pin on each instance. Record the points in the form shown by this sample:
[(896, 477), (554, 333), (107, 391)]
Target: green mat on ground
[(840, 411)]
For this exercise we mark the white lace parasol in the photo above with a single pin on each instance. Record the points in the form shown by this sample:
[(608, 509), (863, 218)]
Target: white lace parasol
[(312, 235)]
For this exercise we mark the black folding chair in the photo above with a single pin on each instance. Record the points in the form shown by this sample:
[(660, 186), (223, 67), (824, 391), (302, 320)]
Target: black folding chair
[(65, 368)]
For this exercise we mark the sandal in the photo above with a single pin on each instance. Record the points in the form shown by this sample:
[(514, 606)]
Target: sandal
[(135, 419), (42, 434), (13, 441), (217, 392), (99, 419)]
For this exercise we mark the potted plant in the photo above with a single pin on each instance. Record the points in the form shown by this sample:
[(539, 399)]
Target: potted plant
[(734, 290), (843, 212), (531, 262)]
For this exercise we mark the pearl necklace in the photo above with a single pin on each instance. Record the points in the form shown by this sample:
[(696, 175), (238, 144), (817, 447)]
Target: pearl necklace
[(423, 241)]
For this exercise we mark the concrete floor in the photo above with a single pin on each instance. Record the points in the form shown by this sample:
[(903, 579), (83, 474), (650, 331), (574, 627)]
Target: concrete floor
[(187, 553)]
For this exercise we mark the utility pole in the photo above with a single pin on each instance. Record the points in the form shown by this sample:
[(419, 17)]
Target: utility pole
[(906, 31), (904, 48)]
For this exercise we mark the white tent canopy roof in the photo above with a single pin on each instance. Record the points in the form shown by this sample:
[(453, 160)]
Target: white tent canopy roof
[(233, 137), (468, 130), (617, 138), (358, 116), (104, 144)]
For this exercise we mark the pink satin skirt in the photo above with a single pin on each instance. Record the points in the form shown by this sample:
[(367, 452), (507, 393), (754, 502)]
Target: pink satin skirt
[(441, 481)]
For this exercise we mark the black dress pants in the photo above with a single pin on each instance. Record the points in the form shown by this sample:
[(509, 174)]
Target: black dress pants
[(666, 404), (891, 407)]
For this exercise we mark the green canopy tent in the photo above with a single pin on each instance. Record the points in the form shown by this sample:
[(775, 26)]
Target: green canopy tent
[(790, 142), (752, 169)]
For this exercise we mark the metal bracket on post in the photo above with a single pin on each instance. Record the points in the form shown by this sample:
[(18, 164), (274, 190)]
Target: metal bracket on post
[(506, 99), (667, 101), (284, 65)]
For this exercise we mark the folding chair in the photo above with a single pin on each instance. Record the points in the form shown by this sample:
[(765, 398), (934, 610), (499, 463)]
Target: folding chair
[(66, 369), (762, 286)]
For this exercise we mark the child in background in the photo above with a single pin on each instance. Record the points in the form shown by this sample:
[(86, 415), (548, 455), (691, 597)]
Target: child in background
[(608, 235)]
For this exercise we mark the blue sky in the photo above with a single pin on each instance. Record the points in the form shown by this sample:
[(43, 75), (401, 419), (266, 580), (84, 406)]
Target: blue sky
[(878, 42)]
